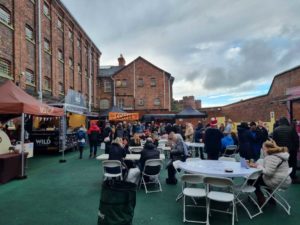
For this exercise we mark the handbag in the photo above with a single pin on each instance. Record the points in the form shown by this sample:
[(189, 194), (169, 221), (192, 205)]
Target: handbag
[(107, 139)]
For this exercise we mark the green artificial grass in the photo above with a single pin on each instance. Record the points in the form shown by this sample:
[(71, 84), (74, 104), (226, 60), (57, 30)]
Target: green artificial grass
[(68, 193)]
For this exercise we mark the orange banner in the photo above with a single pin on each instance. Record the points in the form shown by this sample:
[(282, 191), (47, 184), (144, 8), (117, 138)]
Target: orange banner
[(123, 116)]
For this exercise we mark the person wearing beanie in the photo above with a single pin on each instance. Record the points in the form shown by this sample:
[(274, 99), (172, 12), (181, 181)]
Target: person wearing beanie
[(213, 140), (274, 169)]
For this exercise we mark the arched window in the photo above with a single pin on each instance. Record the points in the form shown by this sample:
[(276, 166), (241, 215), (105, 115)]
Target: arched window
[(104, 104), (29, 32), (5, 15), (30, 77)]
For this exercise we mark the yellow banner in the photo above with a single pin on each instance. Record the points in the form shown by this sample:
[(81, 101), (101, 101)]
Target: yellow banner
[(123, 116)]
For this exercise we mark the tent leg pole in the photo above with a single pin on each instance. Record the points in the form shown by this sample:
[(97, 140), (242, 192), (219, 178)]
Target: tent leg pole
[(63, 125), (23, 176)]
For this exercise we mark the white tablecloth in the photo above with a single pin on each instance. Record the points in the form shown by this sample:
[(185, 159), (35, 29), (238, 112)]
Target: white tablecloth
[(216, 168), (128, 157)]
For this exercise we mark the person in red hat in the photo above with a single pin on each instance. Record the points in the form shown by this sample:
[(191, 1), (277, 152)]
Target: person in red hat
[(212, 140)]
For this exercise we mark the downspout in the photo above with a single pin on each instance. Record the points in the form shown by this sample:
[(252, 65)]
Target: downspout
[(90, 79), (114, 94), (169, 93), (164, 77), (40, 91), (134, 101)]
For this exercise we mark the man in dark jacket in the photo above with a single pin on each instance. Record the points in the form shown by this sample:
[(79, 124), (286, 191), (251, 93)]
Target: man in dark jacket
[(212, 140), (245, 140), (149, 152), (286, 135), (198, 138)]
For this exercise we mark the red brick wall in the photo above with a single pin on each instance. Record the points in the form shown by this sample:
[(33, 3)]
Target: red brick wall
[(24, 54), (259, 108)]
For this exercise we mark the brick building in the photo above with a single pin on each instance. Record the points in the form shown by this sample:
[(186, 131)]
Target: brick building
[(139, 86), (282, 99), (69, 59)]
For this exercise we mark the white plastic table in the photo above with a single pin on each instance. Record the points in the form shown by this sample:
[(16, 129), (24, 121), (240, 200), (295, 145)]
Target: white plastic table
[(194, 144), (215, 168), (128, 157)]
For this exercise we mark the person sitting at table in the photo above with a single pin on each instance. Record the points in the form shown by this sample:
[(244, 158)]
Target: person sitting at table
[(274, 169), (149, 152), (117, 152), (129, 164), (178, 152), (135, 140), (212, 140)]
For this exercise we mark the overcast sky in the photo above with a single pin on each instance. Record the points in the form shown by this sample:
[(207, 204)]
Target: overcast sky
[(219, 51)]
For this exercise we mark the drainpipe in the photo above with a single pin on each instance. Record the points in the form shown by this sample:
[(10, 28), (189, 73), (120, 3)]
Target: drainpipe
[(90, 79), (40, 90)]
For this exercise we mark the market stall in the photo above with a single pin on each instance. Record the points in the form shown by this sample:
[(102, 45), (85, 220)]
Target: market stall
[(15, 102), (190, 115)]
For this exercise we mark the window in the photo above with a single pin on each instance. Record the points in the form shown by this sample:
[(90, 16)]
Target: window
[(124, 83), (141, 101), (61, 88), (30, 78), (118, 83), (60, 55), (157, 101), (104, 104), (120, 103), (5, 68), (71, 63), (107, 86), (60, 24), (5, 15), (153, 82), (46, 9), (47, 45), (78, 43), (86, 73), (29, 32), (87, 84), (85, 50), (47, 83), (79, 69), (98, 82), (140, 82), (71, 35)]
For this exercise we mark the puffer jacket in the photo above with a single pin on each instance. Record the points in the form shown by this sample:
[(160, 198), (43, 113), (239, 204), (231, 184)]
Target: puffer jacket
[(275, 169), (286, 136)]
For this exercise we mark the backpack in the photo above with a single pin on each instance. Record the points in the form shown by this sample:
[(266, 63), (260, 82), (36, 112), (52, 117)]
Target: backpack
[(81, 135)]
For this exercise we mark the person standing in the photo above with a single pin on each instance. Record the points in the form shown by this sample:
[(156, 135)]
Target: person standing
[(81, 140), (245, 139), (189, 132), (107, 137), (286, 136), (212, 140), (198, 139), (94, 136), (255, 146)]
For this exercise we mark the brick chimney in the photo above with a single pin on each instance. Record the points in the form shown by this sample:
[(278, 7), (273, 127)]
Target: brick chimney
[(121, 60)]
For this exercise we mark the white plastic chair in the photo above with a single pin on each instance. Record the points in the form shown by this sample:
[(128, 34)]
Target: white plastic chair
[(219, 196), (230, 151), (192, 192), (136, 150), (152, 170), (178, 171), (277, 197), (112, 164), (247, 189), (223, 158)]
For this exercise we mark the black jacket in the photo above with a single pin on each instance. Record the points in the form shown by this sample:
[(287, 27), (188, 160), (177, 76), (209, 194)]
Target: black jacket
[(116, 152), (245, 142), (149, 152), (212, 139), (287, 136)]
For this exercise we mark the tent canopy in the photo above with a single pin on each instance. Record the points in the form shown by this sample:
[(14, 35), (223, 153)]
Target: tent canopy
[(189, 112), (112, 109), (16, 101)]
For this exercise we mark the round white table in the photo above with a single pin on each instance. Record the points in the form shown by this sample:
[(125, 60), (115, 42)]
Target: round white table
[(215, 168)]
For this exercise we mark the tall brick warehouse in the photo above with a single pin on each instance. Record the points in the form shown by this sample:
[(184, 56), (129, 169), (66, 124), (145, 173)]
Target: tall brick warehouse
[(69, 57), (139, 86)]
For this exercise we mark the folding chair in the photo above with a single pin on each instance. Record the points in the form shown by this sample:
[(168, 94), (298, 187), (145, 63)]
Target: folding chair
[(247, 189), (219, 196), (112, 169), (223, 158), (192, 192), (230, 151), (276, 196), (152, 170), (136, 150), (178, 171)]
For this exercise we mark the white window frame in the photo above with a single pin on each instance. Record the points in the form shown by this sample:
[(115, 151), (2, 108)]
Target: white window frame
[(104, 104), (5, 15), (107, 86), (30, 77)]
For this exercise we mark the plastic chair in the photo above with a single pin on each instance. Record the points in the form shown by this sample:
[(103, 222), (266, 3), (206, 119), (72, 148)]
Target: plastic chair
[(219, 196), (230, 150), (192, 192), (152, 170), (277, 197), (176, 165), (112, 169), (222, 158), (136, 150), (246, 189)]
